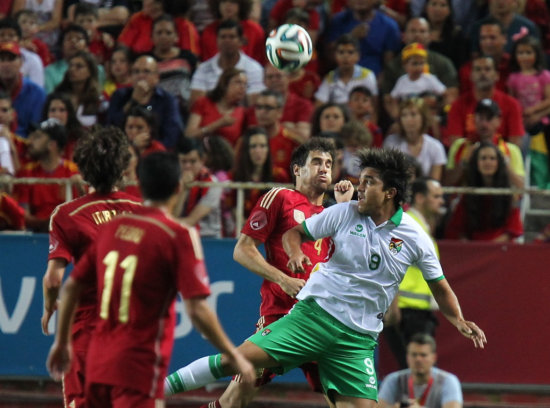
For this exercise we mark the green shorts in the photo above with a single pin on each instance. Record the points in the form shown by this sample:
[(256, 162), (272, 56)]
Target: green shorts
[(308, 333)]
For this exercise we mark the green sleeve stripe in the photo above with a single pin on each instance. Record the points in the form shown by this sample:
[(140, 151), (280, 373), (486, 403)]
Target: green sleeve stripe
[(308, 234), (436, 279), (215, 363)]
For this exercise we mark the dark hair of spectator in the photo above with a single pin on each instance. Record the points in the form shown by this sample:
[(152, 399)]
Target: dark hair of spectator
[(86, 9), (168, 18), (315, 144), (449, 25), (361, 89), (90, 97), (490, 20), (219, 92), (500, 204), (219, 154), (74, 28), (424, 339), (177, 8), (243, 165), (187, 144), (277, 95), (11, 23), (230, 25), (298, 15), (348, 39), (102, 155), (73, 126), (392, 168), (159, 175), (534, 43), (245, 7), (316, 117), (147, 115)]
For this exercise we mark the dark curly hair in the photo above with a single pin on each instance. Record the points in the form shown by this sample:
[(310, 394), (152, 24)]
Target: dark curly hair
[(102, 155), (245, 7), (392, 167)]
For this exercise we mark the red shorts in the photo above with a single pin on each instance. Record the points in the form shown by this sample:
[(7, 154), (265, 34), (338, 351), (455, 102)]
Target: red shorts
[(310, 370), (103, 395), (73, 380)]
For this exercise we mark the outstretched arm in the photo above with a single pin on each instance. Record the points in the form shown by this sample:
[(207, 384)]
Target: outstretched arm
[(292, 244), (449, 306), (51, 283)]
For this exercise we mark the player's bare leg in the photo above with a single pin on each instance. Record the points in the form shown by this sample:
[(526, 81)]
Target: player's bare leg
[(354, 402), (237, 395)]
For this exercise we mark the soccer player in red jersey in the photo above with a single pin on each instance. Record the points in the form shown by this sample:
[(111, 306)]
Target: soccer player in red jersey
[(101, 156), (139, 262), (277, 211)]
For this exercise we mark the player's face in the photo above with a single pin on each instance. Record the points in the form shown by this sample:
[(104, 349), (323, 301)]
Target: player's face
[(420, 358), (332, 119), (316, 174), (258, 149), (164, 35), (58, 110), (370, 192), (487, 161)]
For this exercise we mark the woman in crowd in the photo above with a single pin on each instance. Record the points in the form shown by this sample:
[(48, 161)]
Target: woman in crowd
[(329, 118), (220, 112), (141, 129), (82, 87), (118, 71), (413, 121), (486, 217)]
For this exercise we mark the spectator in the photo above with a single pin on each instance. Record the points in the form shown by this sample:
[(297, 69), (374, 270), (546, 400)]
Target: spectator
[(6, 152), (504, 11), (354, 137), (338, 83), (487, 117), (362, 107), (27, 97), (446, 37), (329, 118), (176, 66), (199, 206), (73, 39), (86, 15), (229, 39), (129, 182), (140, 127), (28, 22), (80, 84), (32, 67), (18, 144), (118, 73), (238, 10), (460, 120), (146, 92), (59, 106), (46, 144), (486, 217), (492, 40), (136, 35), (113, 14), (377, 33), (422, 384), (220, 111), (412, 139), (49, 17)]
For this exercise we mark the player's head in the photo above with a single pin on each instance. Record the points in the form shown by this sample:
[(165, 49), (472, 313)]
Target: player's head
[(421, 354), (311, 164), (159, 176), (383, 179), (102, 155)]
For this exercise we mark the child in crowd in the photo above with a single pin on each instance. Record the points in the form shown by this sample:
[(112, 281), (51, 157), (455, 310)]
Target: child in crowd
[(338, 83), (141, 129), (361, 105), (118, 71), (28, 21), (86, 15)]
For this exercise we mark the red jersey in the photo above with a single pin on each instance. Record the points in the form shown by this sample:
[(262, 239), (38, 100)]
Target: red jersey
[(11, 213), (305, 84), (276, 212), (43, 198), (209, 113), (281, 146), (139, 262)]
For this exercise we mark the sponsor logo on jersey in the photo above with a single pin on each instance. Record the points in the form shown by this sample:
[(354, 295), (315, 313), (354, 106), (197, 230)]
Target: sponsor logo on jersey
[(395, 245), (258, 220), (358, 232), (266, 332), (299, 216), (53, 245)]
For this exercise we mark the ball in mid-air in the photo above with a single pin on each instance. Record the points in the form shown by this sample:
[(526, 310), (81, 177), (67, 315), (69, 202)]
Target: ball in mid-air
[(289, 47)]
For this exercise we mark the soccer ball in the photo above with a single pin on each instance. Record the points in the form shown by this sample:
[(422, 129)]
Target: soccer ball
[(289, 47)]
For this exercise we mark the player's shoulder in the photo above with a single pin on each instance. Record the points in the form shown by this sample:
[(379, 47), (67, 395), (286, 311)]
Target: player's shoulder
[(276, 196)]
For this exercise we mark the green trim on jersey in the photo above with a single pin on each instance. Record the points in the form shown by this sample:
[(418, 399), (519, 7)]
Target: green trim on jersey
[(308, 234), (436, 279), (397, 217)]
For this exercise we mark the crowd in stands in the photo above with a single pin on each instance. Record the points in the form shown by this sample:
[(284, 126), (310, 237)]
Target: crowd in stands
[(459, 85)]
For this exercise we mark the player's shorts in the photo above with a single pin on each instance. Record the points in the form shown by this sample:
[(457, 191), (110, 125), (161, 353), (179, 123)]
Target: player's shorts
[(73, 380), (103, 395), (308, 333)]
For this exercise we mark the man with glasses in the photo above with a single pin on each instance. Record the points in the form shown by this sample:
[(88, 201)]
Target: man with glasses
[(145, 92)]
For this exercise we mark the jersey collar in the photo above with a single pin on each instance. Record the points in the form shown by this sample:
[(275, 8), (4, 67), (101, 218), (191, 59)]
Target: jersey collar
[(396, 218)]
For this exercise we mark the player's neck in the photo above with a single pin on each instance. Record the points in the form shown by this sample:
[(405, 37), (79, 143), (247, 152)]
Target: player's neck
[(383, 215), (313, 196)]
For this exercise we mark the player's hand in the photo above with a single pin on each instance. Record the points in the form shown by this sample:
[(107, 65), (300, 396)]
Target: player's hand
[(243, 366), (343, 191), (59, 360), (291, 286), (46, 316), (473, 332), (296, 263)]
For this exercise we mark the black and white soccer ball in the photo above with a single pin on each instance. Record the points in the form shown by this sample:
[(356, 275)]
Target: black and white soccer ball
[(289, 47)]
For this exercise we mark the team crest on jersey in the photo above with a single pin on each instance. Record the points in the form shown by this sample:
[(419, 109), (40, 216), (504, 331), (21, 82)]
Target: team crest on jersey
[(396, 245), (266, 332), (53, 245), (258, 220), (299, 216)]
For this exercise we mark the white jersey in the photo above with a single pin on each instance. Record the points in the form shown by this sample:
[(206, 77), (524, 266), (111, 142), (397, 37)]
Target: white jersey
[(358, 283)]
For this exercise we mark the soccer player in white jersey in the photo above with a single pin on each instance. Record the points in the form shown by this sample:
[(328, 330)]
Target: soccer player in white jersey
[(339, 315)]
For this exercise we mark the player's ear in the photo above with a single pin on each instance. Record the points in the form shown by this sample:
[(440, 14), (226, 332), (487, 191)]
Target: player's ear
[(296, 170), (391, 192)]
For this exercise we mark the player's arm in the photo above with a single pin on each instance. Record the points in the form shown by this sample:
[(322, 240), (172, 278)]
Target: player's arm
[(247, 254), (385, 404), (343, 191), (51, 283), (59, 358), (207, 323), (292, 244), (449, 306)]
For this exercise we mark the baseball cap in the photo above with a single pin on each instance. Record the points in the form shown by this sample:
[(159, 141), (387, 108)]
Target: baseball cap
[(412, 50), (53, 128), (488, 107), (11, 47)]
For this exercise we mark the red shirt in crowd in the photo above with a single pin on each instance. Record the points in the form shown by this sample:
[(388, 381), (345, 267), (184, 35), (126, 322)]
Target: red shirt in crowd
[(209, 113), (503, 68), (11, 213), (282, 145)]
